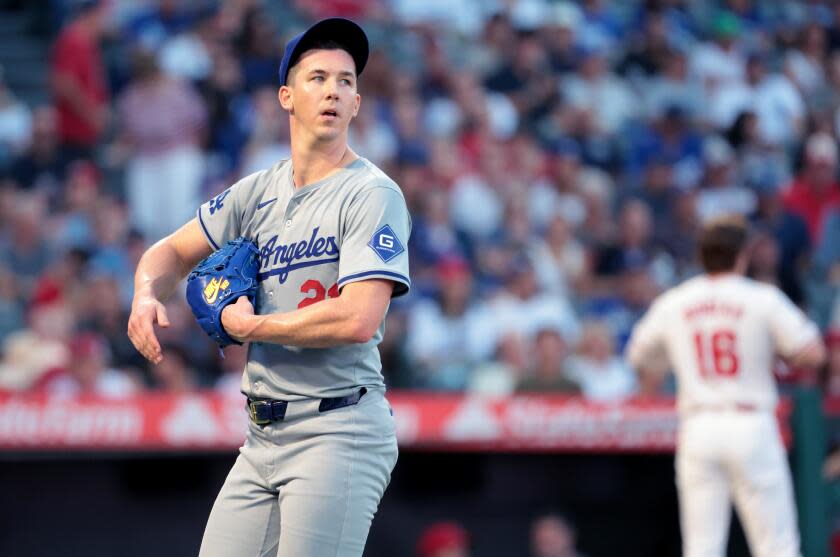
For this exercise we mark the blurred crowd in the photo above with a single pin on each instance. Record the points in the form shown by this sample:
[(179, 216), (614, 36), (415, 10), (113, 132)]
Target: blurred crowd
[(557, 157), (551, 535)]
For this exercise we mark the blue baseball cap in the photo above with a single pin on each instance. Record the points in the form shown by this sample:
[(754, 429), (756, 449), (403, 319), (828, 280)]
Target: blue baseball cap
[(342, 31)]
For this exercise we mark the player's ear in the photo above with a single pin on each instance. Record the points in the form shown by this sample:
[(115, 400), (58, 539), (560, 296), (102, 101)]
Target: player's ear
[(285, 97), (357, 102)]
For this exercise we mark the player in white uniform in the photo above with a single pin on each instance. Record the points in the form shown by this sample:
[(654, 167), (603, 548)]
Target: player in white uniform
[(720, 332), (332, 231)]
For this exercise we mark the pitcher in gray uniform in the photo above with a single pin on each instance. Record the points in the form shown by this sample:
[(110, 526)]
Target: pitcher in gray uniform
[(332, 231)]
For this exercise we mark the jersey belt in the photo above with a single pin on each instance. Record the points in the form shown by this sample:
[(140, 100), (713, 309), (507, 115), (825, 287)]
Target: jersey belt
[(265, 411)]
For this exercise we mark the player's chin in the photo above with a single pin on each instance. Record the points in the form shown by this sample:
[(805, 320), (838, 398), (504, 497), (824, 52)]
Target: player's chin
[(330, 132)]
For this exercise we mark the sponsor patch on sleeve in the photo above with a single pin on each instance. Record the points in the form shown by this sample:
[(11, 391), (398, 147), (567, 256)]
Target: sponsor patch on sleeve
[(386, 244)]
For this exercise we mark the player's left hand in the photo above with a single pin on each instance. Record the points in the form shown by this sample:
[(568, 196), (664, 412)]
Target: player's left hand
[(237, 319)]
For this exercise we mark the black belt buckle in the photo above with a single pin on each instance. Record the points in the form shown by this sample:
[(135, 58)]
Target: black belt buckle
[(263, 412), (328, 404)]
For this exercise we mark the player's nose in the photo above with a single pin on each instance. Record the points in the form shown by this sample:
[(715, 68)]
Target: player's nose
[(331, 88)]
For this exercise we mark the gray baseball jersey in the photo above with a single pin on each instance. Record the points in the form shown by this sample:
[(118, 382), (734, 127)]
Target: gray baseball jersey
[(353, 225)]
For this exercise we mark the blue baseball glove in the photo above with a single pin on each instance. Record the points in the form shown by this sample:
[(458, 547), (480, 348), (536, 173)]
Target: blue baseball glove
[(219, 280)]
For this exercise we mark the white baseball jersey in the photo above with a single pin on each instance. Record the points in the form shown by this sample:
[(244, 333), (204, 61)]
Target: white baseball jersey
[(721, 334), (353, 225)]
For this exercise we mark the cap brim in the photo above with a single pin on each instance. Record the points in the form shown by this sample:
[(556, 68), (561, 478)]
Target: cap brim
[(342, 31)]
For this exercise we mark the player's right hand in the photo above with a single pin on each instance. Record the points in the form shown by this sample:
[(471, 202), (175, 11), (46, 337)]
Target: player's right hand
[(145, 312)]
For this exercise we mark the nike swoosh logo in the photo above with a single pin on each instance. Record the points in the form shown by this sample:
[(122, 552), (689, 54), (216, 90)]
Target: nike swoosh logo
[(264, 203)]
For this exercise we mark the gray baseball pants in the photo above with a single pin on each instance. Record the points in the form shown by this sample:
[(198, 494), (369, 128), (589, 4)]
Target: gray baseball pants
[(306, 486)]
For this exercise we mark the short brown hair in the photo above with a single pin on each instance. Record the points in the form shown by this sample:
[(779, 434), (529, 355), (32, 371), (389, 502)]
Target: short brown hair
[(721, 242)]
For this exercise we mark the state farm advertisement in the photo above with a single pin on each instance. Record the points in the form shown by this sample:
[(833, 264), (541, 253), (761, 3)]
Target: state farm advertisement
[(208, 421)]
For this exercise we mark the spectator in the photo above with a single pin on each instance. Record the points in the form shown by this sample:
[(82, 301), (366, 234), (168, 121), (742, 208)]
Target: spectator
[(161, 120), (437, 330), (659, 194), (259, 47), (526, 80), (371, 135), (41, 166), (764, 258), (671, 141), (549, 372), (173, 373), (189, 54), (225, 103), (88, 372), (79, 83), (777, 103), (648, 51), (26, 249), (269, 141), (791, 236), (499, 375), (633, 241), (185, 334), (600, 96), (720, 192), (433, 238), (15, 124), (683, 226), (559, 259), (81, 190), (151, 26), (559, 35), (762, 167), (598, 368), (621, 307), (476, 206), (30, 354), (518, 308), (805, 64), (105, 311), (443, 539), (553, 536), (815, 190), (673, 87), (601, 26), (719, 63)]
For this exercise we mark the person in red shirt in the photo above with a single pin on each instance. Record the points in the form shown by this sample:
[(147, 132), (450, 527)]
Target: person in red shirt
[(815, 192), (443, 539), (77, 79)]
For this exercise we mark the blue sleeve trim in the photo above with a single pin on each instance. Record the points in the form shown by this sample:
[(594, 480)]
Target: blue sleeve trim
[(402, 286), (206, 232)]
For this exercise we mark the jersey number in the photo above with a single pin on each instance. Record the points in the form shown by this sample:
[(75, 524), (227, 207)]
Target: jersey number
[(316, 292), (716, 353)]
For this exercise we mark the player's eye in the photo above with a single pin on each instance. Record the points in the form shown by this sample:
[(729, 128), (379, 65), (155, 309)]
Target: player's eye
[(318, 78), (346, 82)]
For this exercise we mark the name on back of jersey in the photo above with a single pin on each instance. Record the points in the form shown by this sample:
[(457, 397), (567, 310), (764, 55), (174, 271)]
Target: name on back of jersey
[(716, 308)]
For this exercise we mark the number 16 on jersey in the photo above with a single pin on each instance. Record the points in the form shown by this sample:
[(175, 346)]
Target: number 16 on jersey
[(716, 352)]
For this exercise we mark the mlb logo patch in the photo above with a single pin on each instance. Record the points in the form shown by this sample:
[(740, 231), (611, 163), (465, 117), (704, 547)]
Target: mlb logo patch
[(386, 244)]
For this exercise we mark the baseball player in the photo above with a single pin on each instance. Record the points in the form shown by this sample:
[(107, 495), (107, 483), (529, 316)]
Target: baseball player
[(332, 231), (720, 332)]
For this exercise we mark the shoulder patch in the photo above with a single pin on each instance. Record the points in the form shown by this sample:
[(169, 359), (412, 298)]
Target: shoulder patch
[(386, 244)]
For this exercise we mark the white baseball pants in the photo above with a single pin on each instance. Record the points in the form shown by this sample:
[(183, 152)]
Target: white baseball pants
[(738, 456)]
